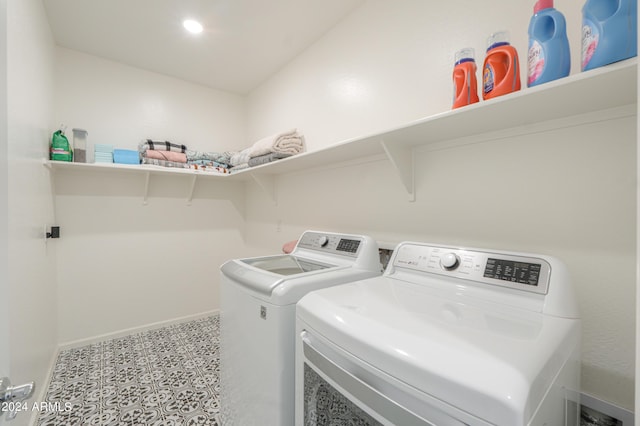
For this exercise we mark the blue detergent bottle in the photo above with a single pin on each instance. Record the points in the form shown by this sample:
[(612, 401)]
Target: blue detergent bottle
[(549, 56), (609, 32)]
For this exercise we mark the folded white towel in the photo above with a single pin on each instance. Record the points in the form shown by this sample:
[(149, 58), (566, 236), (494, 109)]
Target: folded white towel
[(289, 142)]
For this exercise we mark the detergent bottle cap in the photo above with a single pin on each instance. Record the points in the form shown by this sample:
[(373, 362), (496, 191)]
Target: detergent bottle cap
[(541, 5), (500, 38), (468, 54)]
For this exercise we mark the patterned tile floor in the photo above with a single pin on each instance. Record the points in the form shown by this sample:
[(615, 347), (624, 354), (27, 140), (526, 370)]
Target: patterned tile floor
[(162, 377)]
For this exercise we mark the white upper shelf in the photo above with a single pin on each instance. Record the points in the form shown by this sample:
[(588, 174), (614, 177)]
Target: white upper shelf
[(596, 90), (604, 88)]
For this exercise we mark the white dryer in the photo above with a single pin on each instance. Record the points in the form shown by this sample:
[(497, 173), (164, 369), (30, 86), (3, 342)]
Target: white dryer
[(446, 336), (257, 320)]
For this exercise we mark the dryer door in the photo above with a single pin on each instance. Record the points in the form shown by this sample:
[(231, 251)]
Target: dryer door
[(338, 387)]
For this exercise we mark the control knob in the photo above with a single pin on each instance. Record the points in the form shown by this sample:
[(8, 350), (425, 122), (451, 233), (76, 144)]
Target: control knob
[(323, 240), (449, 261)]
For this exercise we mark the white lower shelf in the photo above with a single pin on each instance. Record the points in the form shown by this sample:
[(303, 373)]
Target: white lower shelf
[(143, 169), (119, 168)]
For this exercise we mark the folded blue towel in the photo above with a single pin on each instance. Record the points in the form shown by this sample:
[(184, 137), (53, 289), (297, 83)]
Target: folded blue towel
[(101, 147), (103, 157)]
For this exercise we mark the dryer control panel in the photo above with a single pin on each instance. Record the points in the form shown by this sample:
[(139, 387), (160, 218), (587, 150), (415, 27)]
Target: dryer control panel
[(504, 269), (346, 245)]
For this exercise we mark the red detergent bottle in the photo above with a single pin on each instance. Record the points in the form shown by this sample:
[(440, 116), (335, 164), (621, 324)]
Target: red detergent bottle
[(501, 70), (465, 83)]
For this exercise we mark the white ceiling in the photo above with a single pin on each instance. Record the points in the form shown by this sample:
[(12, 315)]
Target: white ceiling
[(244, 41)]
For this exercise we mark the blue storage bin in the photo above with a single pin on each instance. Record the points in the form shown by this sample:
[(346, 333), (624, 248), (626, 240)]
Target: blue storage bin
[(126, 156)]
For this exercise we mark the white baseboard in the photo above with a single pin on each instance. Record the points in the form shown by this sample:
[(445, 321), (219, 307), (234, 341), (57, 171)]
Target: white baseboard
[(133, 330)]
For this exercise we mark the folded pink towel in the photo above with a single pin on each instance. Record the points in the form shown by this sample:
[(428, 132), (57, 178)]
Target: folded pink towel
[(176, 157), (288, 247)]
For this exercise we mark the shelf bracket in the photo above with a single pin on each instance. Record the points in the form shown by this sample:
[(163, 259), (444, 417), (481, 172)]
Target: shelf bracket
[(267, 184), (145, 197), (192, 186), (401, 158)]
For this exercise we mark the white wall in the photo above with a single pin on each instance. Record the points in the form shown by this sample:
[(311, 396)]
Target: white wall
[(573, 190), (5, 353), (388, 64), (122, 105), (32, 281), (122, 264)]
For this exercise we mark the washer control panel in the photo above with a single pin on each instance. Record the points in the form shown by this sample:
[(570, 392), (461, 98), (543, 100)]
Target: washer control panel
[(346, 245), (511, 270)]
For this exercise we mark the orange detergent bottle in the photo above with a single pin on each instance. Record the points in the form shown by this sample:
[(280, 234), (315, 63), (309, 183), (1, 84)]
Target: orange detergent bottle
[(501, 70), (465, 84)]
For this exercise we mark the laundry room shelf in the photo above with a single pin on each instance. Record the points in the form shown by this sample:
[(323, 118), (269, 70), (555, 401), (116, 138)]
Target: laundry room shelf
[(601, 94), (145, 170)]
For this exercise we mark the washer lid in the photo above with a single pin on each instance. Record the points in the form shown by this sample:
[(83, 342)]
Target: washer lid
[(320, 259), (282, 280), (491, 361), (262, 275), (286, 264)]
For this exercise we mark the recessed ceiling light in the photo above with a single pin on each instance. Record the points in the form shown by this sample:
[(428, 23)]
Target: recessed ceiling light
[(194, 27)]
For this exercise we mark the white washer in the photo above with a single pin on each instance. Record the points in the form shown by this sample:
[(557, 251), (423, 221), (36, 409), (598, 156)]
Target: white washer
[(446, 336), (257, 320)]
